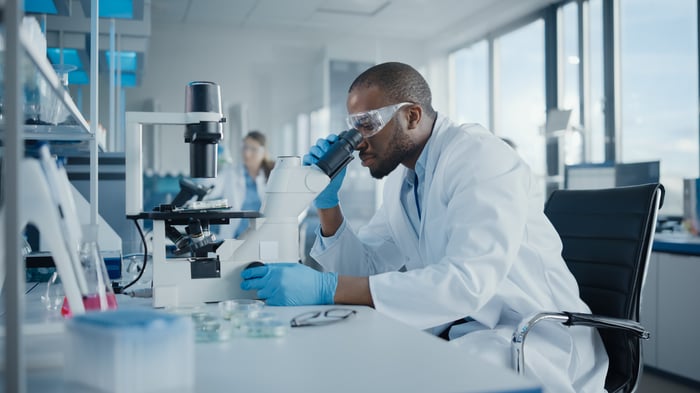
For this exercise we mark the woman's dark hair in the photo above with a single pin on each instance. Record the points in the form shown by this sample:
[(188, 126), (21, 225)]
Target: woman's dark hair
[(267, 163)]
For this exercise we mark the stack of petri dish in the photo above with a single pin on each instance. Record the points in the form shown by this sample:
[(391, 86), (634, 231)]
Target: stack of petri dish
[(250, 319), (236, 318)]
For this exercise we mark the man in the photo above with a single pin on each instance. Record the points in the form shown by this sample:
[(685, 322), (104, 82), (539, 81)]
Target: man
[(460, 246)]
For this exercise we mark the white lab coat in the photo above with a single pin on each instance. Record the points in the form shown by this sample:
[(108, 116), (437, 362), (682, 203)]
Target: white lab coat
[(230, 184), (485, 250)]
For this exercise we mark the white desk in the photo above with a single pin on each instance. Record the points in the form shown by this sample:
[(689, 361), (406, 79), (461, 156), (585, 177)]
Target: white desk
[(366, 353)]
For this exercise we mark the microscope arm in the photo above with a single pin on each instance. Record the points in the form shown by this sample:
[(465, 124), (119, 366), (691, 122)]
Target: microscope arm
[(134, 154)]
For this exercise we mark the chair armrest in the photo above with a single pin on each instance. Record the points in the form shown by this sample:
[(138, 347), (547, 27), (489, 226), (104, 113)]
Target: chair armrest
[(603, 322), (568, 319)]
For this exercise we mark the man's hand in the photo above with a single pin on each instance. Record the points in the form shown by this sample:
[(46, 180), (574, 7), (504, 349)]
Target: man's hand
[(328, 198), (290, 284)]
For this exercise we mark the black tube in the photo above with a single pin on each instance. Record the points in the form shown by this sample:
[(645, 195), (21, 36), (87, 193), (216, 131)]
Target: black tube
[(340, 153), (203, 136)]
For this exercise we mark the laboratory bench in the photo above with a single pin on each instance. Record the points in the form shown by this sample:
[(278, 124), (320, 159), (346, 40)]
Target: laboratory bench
[(677, 243), (669, 308), (366, 352)]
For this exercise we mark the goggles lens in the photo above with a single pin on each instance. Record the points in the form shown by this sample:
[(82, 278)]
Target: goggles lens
[(371, 122)]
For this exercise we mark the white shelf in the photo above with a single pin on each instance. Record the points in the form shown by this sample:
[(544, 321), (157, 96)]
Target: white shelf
[(56, 133), (46, 70), (78, 136)]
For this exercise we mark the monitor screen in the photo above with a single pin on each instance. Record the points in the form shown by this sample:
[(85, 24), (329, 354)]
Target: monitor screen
[(637, 173), (589, 176)]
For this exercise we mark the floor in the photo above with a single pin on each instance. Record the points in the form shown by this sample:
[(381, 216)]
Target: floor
[(654, 383)]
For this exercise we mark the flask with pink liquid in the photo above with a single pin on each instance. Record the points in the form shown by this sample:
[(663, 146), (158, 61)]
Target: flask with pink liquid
[(99, 295)]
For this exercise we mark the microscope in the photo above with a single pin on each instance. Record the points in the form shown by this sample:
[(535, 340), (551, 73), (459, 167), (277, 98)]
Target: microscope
[(203, 268)]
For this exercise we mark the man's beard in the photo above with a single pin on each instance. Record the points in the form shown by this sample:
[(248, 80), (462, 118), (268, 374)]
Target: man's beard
[(401, 147)]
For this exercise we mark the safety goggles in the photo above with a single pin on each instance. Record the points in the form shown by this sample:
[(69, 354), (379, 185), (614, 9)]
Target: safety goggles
[(371, 122), (253, 149)]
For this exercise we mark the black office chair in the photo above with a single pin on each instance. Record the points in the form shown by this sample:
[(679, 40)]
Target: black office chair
[(607, 237)]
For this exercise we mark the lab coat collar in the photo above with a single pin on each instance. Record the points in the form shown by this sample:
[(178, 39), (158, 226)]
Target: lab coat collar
[(407, 239), (427, 163)]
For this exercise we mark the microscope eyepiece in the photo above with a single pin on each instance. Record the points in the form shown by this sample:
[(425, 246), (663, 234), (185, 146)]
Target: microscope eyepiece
[(340, 152), (203, 136)]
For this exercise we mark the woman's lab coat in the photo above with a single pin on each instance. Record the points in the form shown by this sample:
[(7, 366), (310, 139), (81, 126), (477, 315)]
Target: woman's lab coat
[(485, 250), (230, 184)]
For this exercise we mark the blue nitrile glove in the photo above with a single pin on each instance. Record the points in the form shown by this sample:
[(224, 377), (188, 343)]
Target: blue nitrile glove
[(290, 284), (328, 198)]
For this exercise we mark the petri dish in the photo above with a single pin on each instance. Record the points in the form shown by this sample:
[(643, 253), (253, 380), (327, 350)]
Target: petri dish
[(209, 328), (265, 328), (238, 310)]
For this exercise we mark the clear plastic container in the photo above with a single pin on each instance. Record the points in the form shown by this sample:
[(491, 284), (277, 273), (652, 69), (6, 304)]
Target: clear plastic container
[(142, 351), (238, 311), (53, 296), (265, 327), (208, 326)]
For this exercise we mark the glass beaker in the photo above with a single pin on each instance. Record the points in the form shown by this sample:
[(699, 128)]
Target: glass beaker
[(54, 111), (53, 296), (99, 296)]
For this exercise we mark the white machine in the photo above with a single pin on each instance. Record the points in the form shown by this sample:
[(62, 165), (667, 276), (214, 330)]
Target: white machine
[(212, 270), (48, 204)]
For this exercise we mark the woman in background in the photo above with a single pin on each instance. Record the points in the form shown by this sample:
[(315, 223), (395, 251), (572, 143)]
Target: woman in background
[(243, 185)]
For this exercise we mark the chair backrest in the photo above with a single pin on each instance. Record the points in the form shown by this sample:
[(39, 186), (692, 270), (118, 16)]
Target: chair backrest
[(607, 236)]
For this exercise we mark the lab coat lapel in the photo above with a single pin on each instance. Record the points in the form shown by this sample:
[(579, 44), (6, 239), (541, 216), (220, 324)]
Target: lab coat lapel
[(431, 163), (405, 236), (261, 184), (239, 189)]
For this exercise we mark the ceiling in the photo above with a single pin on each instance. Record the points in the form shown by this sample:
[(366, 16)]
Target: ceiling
[(420, 19), (444, 24)]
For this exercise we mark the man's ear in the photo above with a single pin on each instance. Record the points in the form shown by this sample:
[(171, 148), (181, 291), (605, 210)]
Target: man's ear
[(415, 114)]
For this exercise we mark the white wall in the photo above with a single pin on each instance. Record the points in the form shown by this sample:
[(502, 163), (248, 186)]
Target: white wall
[(276, 73)]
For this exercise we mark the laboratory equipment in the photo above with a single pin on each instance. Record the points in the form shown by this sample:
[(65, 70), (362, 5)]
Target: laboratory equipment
[(265, 328), (49, 206), (52, 109), (53, 296), (237, 311), (203, 136), (211, 271), (99, 295), (212, 329), (188, 190), (203, 130), (339, 154), (130, 351)]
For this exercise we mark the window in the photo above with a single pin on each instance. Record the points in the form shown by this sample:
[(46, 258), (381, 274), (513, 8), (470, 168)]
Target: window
[(521, 93), (570, 90), (596, 128), (469, 85), (659, 90)]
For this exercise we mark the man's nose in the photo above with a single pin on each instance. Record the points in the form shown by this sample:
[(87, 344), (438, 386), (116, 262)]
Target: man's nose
[(362, 145)]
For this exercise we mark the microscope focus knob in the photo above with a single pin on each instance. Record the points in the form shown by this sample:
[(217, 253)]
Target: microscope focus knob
[(316, 180)]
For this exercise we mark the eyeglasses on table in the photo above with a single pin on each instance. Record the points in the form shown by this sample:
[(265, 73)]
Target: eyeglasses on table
[(322, 317)]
